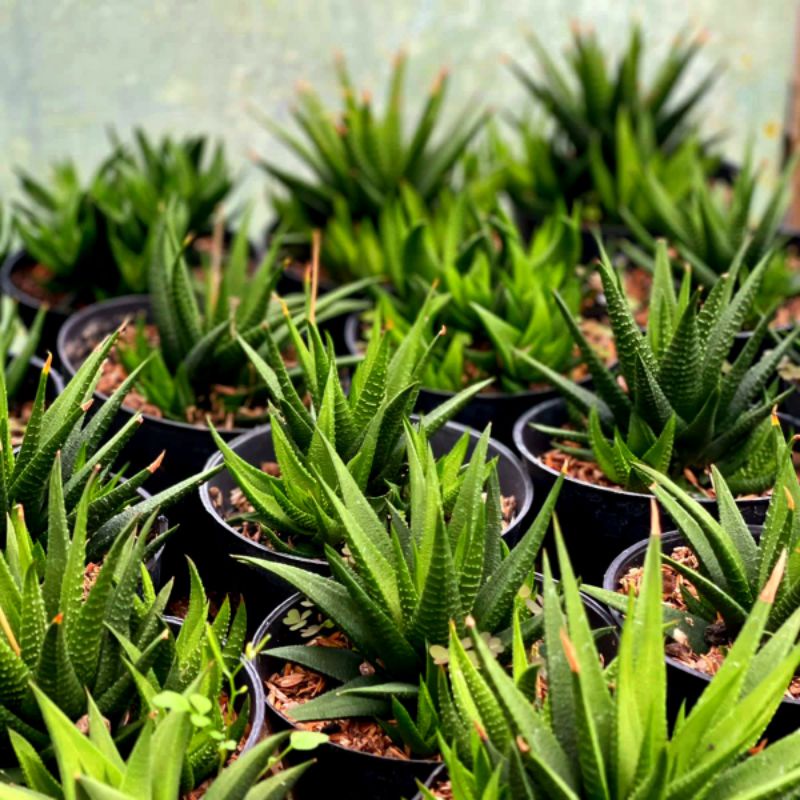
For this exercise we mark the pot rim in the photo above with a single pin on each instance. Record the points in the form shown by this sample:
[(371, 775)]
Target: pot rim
[(532, 459), (78, 320), (13, 260), (501, 449), (669, 538)]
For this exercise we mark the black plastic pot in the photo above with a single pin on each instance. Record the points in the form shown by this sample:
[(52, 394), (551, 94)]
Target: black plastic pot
[(187, 446), (685, 684), (597, 521), (355, 775), (369, 776), (500, 409), (262, 590), (30, 305)]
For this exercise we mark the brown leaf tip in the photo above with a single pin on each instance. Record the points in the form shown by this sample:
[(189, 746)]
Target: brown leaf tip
[(157, 463), (469, 622), (655, 519), (58, 618), (569, 651), (523, 746), (87, 405), (770, 589), (48, 363)]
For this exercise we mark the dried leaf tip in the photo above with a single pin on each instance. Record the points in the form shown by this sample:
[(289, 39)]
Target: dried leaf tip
[(443, 330), (157, 462), (789, 498), (523, 746), (47, 363), (58, 618), (770, 589), (316, 246), (469, 622), (438, 81), (776, 423), (655, 519), (569, 651), (87, 405)]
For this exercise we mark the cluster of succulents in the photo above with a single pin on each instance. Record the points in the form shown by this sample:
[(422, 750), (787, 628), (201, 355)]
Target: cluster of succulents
[(448, 615)]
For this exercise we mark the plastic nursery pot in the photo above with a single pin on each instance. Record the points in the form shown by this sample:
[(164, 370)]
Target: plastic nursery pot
[(499, 408), (358, 775), (597, 521), (187, 446), (13, 268), (370, 776), (262, 590), (685, 684), (250, 677), (437, 777)]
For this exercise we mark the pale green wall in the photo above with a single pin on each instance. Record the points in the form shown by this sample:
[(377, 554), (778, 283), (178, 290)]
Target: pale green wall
[(69, 68)]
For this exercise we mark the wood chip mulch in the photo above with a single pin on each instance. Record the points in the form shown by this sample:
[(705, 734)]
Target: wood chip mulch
[(443, 790), (581, 470), (295, 685)]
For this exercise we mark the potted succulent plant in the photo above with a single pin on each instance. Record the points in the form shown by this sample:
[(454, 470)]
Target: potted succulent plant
[(53, 619), (87, 240), (713, 226), (87, 455), (714, 571), (603, 129), (496, 299), (601, 730), (385, 615), (111, 656), (360, 162), (679, 408), (271, 501)]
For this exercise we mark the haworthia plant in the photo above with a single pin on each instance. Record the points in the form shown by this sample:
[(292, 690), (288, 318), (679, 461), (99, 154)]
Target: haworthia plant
[(61, 226), (364, 425), (398, 591), (733, 564), (363, 160), (93, 765), (602, 731), (198, 346), (66, 631), (88, 456), (605, 125), (713, 223), (683, 406), (496, 296)]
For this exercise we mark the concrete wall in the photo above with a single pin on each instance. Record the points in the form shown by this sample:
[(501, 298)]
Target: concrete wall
[(70, 68)]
